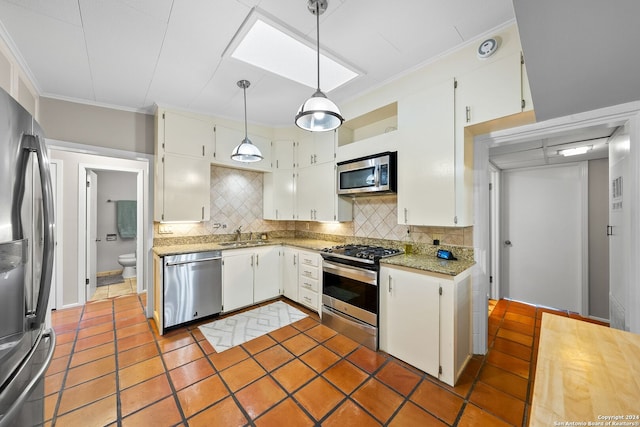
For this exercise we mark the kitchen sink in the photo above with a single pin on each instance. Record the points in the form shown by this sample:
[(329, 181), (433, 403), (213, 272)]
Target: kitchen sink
[(242, 243)]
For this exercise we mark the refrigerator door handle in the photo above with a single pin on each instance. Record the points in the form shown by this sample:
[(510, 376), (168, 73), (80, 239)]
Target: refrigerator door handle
[(18, 403), (33, 143)]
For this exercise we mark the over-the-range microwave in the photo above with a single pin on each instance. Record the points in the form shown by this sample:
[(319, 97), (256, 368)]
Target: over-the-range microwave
[(367, 176)]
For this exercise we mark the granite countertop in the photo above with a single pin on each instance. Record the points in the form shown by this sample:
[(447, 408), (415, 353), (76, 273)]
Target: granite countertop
[(417, 261), (310, 244), (429, 263)]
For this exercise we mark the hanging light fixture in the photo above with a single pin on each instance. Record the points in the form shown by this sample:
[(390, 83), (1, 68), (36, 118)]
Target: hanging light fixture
[(318, 113), (246, 152)]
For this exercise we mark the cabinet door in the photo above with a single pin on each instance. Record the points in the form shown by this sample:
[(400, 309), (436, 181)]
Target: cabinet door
[(315, 148), (185, 188), (266, 284), (290, 273), (316, 193), (426, 158), (491, 91), (279, 195), (187, 134), (409, 318), (282, 152), (226, 139), (237, 280)]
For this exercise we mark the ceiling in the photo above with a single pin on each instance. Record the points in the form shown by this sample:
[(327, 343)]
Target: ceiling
[(581, 55), (133, 54), (546, 151)]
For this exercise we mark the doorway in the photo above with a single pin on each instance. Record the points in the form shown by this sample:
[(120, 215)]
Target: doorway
[(111, 197), (91, 237)]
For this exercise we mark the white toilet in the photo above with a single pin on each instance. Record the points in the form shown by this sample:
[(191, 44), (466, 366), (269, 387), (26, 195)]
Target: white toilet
[(128, 263)]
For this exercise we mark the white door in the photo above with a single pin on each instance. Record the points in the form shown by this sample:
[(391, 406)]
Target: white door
[(92, 233), (543, 226)]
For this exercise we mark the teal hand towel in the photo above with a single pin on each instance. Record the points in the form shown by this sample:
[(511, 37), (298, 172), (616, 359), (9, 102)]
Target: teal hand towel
[(126, 218)]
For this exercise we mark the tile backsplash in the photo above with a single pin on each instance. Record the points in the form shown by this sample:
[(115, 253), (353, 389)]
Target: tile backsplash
[(236, 200)]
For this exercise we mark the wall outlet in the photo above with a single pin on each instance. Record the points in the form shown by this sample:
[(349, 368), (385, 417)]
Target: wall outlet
[(164, 229)]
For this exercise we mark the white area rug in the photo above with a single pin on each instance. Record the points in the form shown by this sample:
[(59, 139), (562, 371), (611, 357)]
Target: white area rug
[(242, 327)]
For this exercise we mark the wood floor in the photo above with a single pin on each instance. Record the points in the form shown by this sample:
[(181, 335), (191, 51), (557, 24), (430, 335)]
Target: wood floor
[(112, 368)]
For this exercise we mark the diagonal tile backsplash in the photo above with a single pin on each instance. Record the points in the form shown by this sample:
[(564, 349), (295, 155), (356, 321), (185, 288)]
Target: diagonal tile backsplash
[(236, 200)]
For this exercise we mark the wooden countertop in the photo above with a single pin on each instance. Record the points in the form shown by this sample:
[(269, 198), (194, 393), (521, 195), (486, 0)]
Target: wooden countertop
[(585, 373)]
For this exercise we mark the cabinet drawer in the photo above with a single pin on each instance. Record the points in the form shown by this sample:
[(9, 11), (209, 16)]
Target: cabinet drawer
[(308, 298), (307, 271), (309, 284), (307, 258)]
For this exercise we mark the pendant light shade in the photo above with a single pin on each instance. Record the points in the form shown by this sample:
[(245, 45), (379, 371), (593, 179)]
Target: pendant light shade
[(318, 113), (246, 152)]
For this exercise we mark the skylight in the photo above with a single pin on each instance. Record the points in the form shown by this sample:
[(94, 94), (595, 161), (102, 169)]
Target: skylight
[(273, 50)]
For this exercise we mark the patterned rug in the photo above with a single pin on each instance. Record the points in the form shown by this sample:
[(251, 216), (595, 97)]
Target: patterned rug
[(242, 327)]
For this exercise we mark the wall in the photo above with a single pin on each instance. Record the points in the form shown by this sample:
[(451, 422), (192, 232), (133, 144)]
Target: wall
[(98, 126), (68, 215), (598, 240), (112, 185), (15, 81), (236, 200)]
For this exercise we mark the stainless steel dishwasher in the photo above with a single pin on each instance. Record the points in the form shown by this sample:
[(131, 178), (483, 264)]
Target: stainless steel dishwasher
[(192, 287)]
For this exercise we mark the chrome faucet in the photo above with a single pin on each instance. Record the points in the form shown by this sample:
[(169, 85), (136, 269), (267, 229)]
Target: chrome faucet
[(238, 232)]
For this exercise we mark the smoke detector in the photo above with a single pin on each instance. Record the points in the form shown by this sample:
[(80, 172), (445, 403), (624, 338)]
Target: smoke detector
[(487, 48)]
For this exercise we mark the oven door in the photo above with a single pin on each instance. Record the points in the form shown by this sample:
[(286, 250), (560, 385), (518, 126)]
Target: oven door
[(350, 290)]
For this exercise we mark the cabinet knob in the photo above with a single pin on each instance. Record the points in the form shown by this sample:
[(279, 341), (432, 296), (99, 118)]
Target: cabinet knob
[(507, 242)]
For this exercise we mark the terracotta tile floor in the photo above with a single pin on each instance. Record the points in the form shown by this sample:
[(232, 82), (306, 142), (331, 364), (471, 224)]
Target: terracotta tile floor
[(112, 368)]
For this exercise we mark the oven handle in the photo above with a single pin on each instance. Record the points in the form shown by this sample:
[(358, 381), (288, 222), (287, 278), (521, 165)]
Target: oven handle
[(355, 273)]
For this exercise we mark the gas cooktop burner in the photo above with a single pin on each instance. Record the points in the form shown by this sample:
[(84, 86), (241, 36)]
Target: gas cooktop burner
[(369, 254)]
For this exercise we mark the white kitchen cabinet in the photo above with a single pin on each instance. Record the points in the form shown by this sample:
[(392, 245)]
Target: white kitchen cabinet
[(316, 196), (279, 195), (237, 279), (410, 318), (429, 177), (491, 91), (186, 134), (249, 276), (289, 272), (316, 148), (310, 280), (266, 274), (283, 155), (182, 188), (226, 139), (425, 320)]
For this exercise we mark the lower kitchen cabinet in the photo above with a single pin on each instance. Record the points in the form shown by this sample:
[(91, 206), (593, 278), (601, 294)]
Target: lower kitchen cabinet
[(266, 278), (249, 276), (310, 280), (425, 320), (289, 272)]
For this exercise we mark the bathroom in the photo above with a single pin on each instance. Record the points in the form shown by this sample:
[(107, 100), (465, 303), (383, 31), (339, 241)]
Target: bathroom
[(115, 234)]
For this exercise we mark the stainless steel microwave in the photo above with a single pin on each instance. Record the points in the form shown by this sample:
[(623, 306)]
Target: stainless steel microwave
[(367, 176)]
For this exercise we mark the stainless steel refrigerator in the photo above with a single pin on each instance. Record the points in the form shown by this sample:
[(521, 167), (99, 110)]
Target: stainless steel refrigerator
[(26, 262)]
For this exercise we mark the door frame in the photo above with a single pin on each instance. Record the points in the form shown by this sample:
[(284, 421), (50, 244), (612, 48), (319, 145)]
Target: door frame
[(613, 116), (82, 223), (55, 300)]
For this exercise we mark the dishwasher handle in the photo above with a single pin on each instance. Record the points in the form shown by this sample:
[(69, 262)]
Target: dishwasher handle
[(191, 261)]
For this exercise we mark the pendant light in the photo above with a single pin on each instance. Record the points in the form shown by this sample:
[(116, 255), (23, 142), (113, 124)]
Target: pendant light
[(318, 113), (246, 152)]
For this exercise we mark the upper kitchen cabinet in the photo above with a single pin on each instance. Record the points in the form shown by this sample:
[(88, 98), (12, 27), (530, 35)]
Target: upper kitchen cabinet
[(186, 134), (182, 180), (226, 139), (430, 169), (182, 188), (316, 196), (370, 133), (316, 148), (279, 195), (283, 155), (494, 90)]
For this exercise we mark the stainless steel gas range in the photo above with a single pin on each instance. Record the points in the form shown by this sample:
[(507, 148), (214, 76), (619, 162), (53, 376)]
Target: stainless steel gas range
[(350, 296)]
